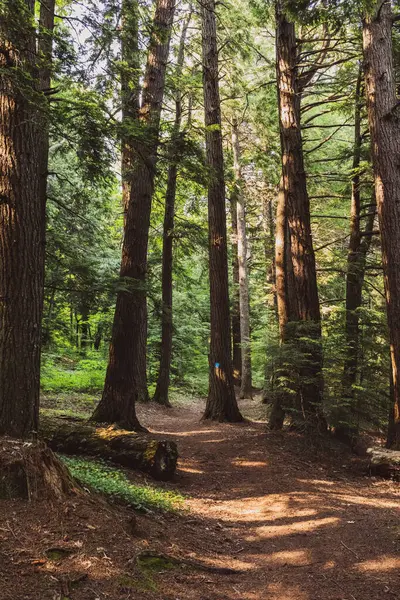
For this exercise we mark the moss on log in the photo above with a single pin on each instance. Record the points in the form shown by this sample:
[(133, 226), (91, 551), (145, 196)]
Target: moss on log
[(136, 451), (384, 463), (30, 471)]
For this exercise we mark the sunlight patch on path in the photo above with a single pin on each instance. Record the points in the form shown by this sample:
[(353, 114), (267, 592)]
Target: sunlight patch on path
[(276, 531), (383, 563)]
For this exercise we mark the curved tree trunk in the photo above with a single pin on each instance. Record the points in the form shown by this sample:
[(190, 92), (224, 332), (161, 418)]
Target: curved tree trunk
[(221, 401), (23, 117), (162, 388), (384, 128), (245, 342), (126, 380)]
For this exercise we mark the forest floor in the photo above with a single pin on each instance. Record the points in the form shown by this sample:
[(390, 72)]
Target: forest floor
[(296, 522)]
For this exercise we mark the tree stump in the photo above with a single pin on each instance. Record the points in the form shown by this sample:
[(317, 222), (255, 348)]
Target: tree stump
[(384, 463), (30, 471), (126, 448)]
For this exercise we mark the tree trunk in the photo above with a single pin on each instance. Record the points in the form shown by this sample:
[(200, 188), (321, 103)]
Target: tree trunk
[(126, 381), (98, 336), (45, 57), (300, 322), (221, 401), (130, 93), (161, 395), (345, 427), (269, 386), (236, 349), (157, 457), (391, 430), (269, 243), (45, 50), (245, 342), (277, 415), (162, 388), (384, 129), (22, 227), (286, 307), (85, 338), (346, 418)]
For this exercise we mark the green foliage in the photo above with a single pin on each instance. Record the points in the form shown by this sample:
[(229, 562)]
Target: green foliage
[(116, 485), (85, 218), (69, 375)]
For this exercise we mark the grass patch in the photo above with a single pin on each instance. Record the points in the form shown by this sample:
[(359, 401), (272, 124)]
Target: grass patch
[(74, 405), (116, 485), (155, 563), (63, 374), (79, 380), (145, 584)]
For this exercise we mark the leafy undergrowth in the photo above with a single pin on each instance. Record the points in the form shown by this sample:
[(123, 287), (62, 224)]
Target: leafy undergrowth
[(115, 484), (81, 405), (72, 374), (69, 404)]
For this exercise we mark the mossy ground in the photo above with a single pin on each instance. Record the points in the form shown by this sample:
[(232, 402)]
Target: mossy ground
[(115, 484)]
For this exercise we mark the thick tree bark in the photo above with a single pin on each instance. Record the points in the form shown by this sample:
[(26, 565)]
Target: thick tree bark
[(162, 389), (21, 221), (245, 342), (221, 401), (157, 457), (235, 313), (384, 129), (299, 318), (346, 415), (126, 380)]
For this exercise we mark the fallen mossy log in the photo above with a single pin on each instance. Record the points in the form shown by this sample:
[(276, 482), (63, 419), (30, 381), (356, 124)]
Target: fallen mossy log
[(384, 463), (133, 450), (31, 471)]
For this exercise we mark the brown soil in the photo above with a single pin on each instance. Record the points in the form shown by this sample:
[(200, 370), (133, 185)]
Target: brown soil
[(298, 522)]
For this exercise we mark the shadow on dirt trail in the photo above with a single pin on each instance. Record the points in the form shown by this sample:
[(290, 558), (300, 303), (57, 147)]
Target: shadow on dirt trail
[(293, 521), (302, 523)]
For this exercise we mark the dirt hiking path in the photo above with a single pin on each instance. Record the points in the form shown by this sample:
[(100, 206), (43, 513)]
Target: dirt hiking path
[(295, 522), (302, 524)]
